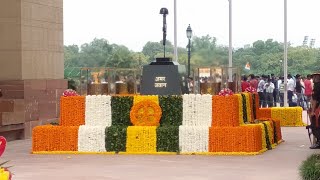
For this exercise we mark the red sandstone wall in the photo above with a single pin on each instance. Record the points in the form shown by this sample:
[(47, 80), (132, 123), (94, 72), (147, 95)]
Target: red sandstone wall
[(28, 103)]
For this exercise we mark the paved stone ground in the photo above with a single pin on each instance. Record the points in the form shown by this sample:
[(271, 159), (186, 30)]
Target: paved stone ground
[(281, 163)]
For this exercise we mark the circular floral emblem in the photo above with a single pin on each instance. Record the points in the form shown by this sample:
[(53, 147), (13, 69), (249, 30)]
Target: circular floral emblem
[(145, 113)]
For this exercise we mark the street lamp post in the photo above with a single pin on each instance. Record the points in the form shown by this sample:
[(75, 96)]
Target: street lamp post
[(189, 35), (281, 66)]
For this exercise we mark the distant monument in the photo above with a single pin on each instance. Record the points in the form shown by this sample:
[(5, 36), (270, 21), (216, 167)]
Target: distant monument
[(161, 77)]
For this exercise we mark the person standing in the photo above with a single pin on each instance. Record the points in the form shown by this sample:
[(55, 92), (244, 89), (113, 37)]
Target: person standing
[(281, 91), (244, 83), (314, 111), (291, 86), (253, 81), (275, 91), (299, 90), (269, 87), (308, 89), (260, 90)]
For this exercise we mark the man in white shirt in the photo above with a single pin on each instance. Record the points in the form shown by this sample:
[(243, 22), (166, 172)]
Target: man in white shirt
[(260, 90), (291, 86), (269, 86)]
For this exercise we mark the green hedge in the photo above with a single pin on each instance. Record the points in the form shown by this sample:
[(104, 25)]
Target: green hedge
[(310, 168), (168, 139), (171, 110), (120, 110), (116, 138)]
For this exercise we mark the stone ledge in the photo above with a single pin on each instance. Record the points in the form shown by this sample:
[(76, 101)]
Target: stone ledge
[(12, 127)]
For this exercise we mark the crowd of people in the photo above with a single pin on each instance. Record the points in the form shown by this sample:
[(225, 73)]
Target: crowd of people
[(271, 89)]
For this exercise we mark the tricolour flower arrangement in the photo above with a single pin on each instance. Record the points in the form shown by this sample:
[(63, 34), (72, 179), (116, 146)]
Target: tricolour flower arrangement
[(188, 124)]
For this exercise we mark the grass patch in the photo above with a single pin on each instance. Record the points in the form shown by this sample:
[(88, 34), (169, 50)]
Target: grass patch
[(310, 168)]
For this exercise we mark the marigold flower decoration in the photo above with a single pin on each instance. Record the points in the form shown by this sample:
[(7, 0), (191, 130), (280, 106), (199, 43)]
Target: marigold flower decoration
[(225, 92), (250, 89), (70, 92), (146, 113)]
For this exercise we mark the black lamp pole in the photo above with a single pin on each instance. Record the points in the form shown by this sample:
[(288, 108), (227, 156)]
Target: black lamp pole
[(189, 35)]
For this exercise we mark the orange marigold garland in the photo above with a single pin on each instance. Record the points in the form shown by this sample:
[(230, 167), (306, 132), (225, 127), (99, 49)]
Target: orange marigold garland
[(55, 138), (247, 138), (146, 113), (225, 111), (72, 111), (264, 113)]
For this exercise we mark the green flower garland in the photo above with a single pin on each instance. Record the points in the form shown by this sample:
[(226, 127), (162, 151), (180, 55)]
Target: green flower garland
[(171, 110), (116, 138), (120, 110), (269, 146), (168, 139), (244, 109)]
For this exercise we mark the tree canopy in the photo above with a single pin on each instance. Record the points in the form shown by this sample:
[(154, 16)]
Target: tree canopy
[(265, 57)]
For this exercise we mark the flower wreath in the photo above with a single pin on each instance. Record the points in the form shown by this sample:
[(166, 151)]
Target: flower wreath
[(146, 113), (225, 92), (250, 89), (70, 92), (5, 173)]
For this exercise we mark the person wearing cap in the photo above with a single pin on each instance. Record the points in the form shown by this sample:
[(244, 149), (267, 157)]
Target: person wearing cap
[(314, 112)]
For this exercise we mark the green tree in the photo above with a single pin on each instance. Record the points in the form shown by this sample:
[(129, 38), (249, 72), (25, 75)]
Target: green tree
[(155, 49), (96, 53), (71, 55)]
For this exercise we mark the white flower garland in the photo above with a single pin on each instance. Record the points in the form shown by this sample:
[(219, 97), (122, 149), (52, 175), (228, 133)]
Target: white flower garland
[(197, 110), (91, 139), (193, 139), (98, 110)]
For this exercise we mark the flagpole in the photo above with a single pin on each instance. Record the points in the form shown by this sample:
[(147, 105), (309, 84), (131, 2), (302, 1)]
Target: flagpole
[(285, 62), (175, 32), (230, 40)]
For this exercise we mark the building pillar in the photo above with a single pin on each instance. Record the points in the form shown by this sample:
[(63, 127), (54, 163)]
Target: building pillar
[(32, 65)]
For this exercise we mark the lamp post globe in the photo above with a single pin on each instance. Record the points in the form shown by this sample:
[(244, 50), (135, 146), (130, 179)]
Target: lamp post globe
[(189, 36), (189, 32)]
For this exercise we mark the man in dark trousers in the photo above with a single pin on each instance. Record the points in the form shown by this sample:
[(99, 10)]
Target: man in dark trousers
[(315, 111), (275, 91)]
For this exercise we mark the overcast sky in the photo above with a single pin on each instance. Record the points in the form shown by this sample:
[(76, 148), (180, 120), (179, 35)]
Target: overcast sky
[(134, 22)]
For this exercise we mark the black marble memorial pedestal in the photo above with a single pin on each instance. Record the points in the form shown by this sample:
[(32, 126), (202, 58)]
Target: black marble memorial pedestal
[(161, 77)]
